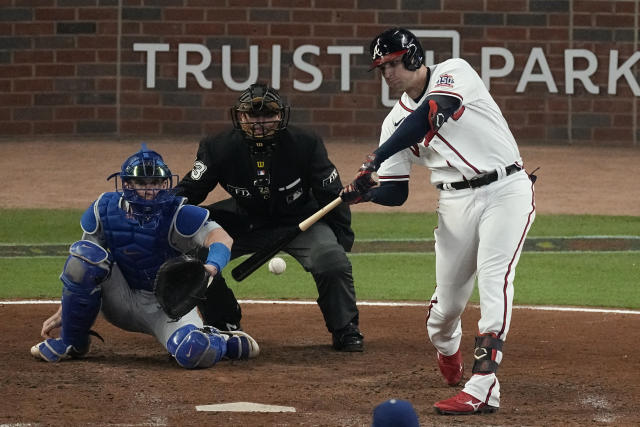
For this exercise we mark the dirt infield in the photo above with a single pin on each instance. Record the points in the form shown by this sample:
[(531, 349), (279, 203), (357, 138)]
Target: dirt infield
[(571, 180), (560, 368)]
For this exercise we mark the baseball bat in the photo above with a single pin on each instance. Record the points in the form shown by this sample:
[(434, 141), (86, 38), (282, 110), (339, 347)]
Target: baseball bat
[(251, 264)]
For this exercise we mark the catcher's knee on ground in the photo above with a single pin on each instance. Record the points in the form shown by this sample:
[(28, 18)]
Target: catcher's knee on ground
[(196, 348)]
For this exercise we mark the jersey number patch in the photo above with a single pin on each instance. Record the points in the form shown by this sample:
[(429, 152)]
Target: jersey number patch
[(198, 170)]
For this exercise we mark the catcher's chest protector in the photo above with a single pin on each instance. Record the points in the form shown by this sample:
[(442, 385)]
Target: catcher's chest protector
[(138, 251)]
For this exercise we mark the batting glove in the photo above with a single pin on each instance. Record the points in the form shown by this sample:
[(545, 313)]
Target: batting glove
[(358, 190), (351, 196)]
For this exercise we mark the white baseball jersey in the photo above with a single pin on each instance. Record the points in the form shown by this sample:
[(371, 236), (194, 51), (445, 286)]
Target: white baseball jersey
[(474, 141), (480, 231)]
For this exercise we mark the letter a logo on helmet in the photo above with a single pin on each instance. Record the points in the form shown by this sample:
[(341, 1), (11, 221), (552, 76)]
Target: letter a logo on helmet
[(377, 52), (393, 43)]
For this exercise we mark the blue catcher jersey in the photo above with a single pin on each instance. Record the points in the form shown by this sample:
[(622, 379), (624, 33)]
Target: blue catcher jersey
[(138, 251)]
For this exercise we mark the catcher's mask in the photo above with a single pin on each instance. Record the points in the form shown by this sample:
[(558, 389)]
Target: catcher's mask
[(260, 114), (145, 183), (393, 43)]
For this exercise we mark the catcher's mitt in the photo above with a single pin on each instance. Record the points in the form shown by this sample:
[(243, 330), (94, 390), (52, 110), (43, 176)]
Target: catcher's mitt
[(180, 285)]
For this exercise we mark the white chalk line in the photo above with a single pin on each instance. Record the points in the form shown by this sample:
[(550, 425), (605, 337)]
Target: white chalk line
[(383, 304)]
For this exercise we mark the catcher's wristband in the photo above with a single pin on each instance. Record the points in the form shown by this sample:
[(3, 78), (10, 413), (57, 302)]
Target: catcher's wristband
[(219, 255)]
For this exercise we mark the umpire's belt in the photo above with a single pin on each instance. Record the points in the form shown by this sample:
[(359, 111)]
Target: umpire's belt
[(478, 182)]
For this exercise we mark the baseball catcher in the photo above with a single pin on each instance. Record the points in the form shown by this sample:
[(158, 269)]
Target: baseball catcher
[(131, 265)]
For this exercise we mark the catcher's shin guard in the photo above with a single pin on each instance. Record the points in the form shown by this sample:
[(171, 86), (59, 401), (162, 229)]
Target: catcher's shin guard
[(196, 348), (85, 269), (54, 350)]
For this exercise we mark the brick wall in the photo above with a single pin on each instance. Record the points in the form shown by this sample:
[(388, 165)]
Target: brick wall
[(68, 68)]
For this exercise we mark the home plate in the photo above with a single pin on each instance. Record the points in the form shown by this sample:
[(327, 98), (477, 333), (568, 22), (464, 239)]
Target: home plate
[(244, 407)]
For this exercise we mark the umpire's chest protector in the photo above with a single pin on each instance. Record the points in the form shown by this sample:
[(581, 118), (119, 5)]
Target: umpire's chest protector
[(289, 172), (138, 251)]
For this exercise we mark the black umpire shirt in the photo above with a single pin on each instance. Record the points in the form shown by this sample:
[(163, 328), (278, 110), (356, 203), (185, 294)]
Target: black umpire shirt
[(280, 186)]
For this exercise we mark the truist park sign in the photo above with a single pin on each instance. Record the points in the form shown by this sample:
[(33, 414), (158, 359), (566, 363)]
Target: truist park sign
[(536, 68)]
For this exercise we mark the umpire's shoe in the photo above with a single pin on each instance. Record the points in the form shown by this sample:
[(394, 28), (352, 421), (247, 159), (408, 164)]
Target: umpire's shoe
[(348, 339), (54, 350)]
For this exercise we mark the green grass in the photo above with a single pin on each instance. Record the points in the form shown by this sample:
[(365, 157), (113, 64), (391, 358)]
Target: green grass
[(421, 225), (592, 279), (40, 225), (61, 226), (580, 279)]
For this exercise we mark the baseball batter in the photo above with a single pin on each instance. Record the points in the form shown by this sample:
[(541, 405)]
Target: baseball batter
[(447, 121), (128, 235)]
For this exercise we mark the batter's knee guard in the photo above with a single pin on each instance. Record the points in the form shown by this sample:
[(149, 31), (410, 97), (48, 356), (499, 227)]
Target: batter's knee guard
[(85, 269), (197, 348), (240, 345), (487, 354)]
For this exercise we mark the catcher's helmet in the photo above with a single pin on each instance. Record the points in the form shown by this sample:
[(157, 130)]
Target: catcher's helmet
[(146, 183), (260, 100), (396, 42)]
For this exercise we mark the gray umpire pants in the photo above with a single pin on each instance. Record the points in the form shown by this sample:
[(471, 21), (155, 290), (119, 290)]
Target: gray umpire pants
[(319, 253)]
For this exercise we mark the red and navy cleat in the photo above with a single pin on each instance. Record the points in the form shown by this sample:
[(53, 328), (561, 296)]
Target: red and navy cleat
[(463, 404)]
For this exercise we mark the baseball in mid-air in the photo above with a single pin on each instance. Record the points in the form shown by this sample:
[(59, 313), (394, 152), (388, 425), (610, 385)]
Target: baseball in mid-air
[(277, 265)]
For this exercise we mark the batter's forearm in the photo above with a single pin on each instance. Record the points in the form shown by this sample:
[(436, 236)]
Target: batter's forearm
[(391, 193), (410, 132)]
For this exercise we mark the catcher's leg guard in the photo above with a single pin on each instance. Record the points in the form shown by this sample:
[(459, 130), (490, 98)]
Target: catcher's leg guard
[(54, 350), (240, 345), (487, 354), (196, 348), (86, 268)]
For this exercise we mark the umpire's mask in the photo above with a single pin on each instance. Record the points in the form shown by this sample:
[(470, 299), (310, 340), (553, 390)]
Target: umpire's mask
[(260, 114)]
